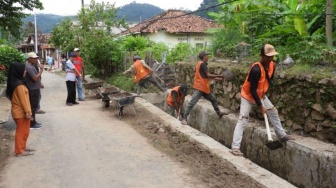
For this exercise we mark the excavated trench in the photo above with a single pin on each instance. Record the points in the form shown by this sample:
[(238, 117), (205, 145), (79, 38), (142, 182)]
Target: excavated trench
[(305, 162)]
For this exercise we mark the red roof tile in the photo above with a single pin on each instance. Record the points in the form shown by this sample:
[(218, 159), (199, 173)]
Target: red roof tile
[(174, 21)]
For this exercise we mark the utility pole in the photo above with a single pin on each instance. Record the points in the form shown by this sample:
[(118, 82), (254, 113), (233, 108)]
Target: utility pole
[(82, 3), (36, 50)]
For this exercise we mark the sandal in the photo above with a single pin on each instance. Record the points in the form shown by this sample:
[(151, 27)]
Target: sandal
[(24, 154), (236, 152), (40, 112), (30, 150)]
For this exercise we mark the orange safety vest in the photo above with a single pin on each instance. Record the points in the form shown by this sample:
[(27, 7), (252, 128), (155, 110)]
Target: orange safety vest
[(201, 83), (179, 96), (140, 71), (263, 84)]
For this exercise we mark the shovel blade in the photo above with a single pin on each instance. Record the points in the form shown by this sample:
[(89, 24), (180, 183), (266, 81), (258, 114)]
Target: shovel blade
[(273, 145)]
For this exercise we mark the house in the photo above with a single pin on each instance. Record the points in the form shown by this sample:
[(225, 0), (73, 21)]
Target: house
[(43, 47), (173, 27)]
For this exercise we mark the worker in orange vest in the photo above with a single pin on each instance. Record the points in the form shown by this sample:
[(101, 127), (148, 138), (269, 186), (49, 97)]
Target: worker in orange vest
[(142, 73), (202, 87), (175, 100), (253, 92)]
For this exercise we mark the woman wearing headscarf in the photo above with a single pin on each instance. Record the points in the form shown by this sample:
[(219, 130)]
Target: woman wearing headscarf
[(18, 93)]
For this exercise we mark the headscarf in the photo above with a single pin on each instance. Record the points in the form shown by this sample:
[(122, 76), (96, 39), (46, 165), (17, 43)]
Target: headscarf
[(15, 78)]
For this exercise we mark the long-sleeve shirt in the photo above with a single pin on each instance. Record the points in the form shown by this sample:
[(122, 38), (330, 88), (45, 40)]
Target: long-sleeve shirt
[(133, 70), (20, 102)]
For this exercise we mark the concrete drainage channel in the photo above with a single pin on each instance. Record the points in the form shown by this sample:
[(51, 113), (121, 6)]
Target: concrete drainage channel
[(306, 162)]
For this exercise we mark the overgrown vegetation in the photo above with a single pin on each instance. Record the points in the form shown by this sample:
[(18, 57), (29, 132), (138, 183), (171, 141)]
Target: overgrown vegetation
[(8, 54), (294, 28), (103, 52)]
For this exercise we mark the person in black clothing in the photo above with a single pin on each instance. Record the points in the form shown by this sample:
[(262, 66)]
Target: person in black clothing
[(202, 87), (253, 92)]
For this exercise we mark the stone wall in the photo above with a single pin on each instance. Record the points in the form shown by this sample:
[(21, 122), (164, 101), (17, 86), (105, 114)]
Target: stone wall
[(305, 102)]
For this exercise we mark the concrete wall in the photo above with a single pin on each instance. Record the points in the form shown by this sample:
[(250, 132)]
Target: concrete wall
[(306, 102), (305, 162)]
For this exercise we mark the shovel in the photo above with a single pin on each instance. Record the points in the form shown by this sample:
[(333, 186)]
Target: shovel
[(272, 145)]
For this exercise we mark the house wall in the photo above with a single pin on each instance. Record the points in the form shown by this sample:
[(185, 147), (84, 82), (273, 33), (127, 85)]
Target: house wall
[(171, 39)]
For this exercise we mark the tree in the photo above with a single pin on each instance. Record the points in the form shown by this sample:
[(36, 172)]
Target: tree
[(11, 13), (205, 5), (92, 34), (30, 28)]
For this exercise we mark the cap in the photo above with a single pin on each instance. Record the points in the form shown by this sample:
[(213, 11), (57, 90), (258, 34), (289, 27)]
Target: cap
[(268, 50), (76, 49), (32, 55), (72, 54), (136, 57), (202, 54), (184, 89)]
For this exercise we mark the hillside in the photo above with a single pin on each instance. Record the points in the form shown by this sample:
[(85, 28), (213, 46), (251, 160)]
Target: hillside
[(138, 12), (133, 12), (45, 21)]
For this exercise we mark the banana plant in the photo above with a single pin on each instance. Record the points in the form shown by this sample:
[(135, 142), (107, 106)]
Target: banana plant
[(297, 10)]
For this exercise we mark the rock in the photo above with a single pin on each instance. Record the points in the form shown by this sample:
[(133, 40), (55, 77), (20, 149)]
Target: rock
[(317, 115), (310, 126), (238, 96), (296, 127), (327, 123), (324, 81), (161, 130), (319, 128), (288, 60), (333, 81), (229, 88), (331, 111), (282, 75), (289, 123), (308, 78), (317, 107)]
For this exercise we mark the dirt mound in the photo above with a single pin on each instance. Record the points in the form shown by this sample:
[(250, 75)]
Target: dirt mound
[(211, 170)]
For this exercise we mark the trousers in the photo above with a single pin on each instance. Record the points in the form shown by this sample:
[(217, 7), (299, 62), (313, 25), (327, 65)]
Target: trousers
[(196, 97), (243, 120), (79, 87), (21, 134)]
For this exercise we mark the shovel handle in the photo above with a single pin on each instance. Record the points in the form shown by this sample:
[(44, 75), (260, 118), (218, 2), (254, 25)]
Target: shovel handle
[(269, 136)]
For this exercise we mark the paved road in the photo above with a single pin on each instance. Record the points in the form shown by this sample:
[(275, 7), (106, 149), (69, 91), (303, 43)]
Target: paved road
[(85, 146)]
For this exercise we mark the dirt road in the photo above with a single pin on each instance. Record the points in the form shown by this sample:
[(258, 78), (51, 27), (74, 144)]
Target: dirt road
[(87, 146)]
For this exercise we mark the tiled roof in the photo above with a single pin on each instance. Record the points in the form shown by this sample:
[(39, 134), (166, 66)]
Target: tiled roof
[(41, 38), (174, 21)]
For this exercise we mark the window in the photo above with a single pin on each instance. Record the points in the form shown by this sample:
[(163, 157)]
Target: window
[(182, 39), (199, 39)]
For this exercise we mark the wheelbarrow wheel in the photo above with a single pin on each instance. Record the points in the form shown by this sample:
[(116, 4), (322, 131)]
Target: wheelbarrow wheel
[(121, 111), (106, 103)]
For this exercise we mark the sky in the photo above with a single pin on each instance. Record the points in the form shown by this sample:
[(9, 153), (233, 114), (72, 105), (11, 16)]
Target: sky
[(71, 7)]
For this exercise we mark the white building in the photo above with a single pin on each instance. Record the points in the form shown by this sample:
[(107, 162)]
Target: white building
[(173, 27)]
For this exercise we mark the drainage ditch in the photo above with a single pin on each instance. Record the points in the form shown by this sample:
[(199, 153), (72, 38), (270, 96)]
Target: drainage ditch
[(306, 162)]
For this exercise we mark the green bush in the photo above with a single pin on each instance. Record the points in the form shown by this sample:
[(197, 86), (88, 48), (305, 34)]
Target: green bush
[(180, 52), (10, 55)]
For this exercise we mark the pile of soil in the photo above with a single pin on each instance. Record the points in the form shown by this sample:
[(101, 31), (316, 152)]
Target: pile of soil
[(210, 169)]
